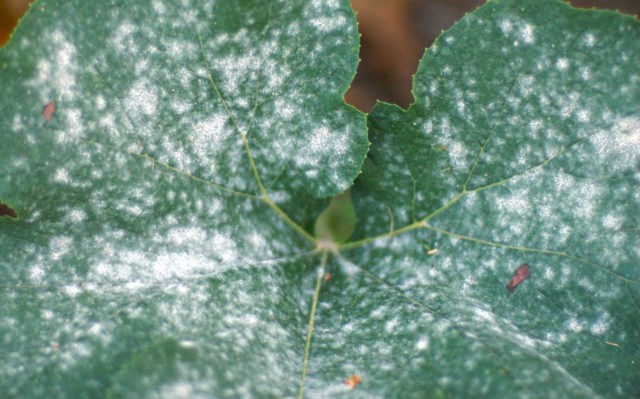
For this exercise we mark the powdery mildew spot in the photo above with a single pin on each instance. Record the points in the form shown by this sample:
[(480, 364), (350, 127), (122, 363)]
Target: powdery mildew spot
[(523, 31), (210, 136), (328, 24), (159, 7), (422, 344), (61, 175), (55, 75), (618, 148), (589, 39), (123, 40), (142, 98), (562, 64)]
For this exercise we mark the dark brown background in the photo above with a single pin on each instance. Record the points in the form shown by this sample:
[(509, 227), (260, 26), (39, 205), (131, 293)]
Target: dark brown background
[(394, 36)]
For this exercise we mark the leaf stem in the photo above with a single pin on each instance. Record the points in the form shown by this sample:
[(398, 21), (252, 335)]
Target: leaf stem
[(422, 223), (267, 200), (311, 325)]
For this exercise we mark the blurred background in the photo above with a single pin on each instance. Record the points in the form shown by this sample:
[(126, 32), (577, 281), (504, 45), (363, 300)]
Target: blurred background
[(394, 36)]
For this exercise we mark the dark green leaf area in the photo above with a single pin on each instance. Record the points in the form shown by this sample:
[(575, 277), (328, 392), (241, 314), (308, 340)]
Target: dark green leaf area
[(398, 175), (529, 151)]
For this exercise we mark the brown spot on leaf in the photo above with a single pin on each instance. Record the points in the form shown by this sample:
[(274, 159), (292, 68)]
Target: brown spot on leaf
[(521, 274), (6, 210), (48, 110), (327, 277)]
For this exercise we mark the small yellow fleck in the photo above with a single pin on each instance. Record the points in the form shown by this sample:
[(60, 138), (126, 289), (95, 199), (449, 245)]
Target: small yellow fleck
[(353, 381)]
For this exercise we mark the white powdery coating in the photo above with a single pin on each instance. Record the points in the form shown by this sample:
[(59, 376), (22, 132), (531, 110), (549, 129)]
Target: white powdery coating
[(60, 246), (74, 126), (56, 74), (316, 11), (235, 67), (209, 136), (612, 221), (77, 215), (517, 203), (122, 39), (328, 24), (522, 31), (180, 390), (61, 175), (186, 235), (618, 148), (562, 64), (141, 263), (527, 33), (458, 151), (55, 80), (589, 39), (136, 271), (325, 149), (158, 7), (422, 344), (142, 98)]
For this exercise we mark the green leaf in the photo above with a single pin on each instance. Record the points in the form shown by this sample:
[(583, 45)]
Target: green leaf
[(161, 246), (152, 256), (523, 146)]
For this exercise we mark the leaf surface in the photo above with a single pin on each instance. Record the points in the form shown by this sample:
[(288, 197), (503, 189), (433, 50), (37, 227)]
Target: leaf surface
[(151, 256), (161, 245), (522, 146)]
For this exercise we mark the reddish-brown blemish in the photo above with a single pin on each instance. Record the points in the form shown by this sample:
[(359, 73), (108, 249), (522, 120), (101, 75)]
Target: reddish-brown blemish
[(327, 277), (521, 274), (6, 210), (353, 381), (48, 110)]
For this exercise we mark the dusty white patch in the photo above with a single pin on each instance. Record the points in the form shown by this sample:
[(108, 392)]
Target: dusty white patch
[(523, 31), (158, 7), (122, 38), (619, 147), (527, 33), (562, 64), (328, 24), (55, 75), (589, 39), (142, 98), (36, 274), (77, 215), (422, 344), (61, 175)]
